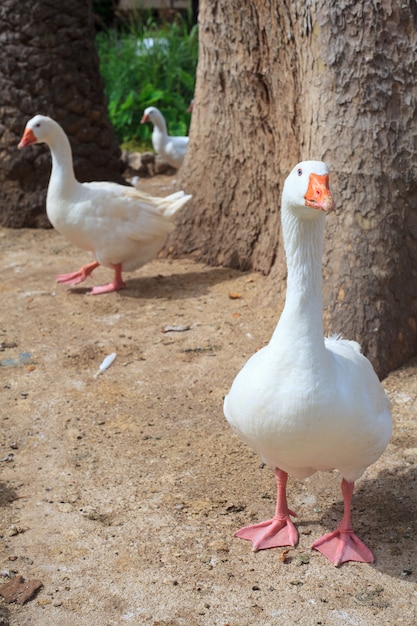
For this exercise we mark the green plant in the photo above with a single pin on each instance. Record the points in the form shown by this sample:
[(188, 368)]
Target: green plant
[(148, 64)]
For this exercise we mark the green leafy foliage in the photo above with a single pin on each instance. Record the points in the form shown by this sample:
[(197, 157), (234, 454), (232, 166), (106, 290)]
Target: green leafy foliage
[(147, 64)]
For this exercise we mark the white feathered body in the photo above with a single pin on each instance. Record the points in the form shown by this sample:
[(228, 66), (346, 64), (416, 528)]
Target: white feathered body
[(303, 419), (116, 224), (170, 148)]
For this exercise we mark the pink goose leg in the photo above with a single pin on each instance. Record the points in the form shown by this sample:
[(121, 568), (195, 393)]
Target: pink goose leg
[(342, 544), (78, 277), (278, 531), (114, 286)]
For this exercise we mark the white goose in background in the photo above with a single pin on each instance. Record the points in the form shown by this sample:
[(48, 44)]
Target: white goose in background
[(122, 227), (306, 403), (170, 149)]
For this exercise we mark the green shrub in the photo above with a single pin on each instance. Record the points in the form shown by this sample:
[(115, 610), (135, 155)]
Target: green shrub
[(137, 75)]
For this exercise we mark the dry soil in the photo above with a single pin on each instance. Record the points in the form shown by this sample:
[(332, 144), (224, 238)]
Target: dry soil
[(121, 492)]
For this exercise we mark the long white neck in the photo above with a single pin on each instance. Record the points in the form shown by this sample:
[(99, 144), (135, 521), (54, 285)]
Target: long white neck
[(301, 323), (159, 134), (160, 124), (62, 175)]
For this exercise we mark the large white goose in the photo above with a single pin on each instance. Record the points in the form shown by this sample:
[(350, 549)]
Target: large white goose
[(122, 227), (171, 149), (305, 403)]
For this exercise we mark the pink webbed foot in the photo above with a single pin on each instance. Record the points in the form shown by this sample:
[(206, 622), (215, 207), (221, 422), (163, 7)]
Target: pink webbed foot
[(107, 288), (74, 278), (71, 279), (341, 546), (278, 531), (114, 286), (274, 533)]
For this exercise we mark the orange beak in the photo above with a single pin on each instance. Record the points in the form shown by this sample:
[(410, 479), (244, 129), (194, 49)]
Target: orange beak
[(318, 194), (144, 119), (28, 139)]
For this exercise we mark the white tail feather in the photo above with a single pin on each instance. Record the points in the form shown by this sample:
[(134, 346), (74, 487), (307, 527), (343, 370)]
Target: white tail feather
[(166, 206), (174, 203)]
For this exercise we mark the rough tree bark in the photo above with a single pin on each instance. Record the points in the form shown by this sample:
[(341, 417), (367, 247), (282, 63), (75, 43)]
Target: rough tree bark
[(48, 65), (280, 82)]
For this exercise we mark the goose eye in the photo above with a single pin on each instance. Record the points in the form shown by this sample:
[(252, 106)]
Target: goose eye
[(299, 171), (37, 125)]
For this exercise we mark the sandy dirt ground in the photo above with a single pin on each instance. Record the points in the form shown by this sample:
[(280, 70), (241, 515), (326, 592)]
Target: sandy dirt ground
[(121, 492)]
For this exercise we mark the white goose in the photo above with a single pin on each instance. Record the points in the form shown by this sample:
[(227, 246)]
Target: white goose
[(170, 149), (305, 403), (122, 227)]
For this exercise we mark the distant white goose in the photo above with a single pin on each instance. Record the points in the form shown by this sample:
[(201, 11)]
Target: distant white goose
[(170, 149), (122, 227), (305, 403)]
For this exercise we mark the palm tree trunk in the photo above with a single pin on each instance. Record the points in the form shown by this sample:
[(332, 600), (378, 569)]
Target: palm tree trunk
[(48, 65)]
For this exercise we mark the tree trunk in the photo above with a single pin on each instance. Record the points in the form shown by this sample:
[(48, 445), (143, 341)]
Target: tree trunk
[(280, 82), (48, 65)]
